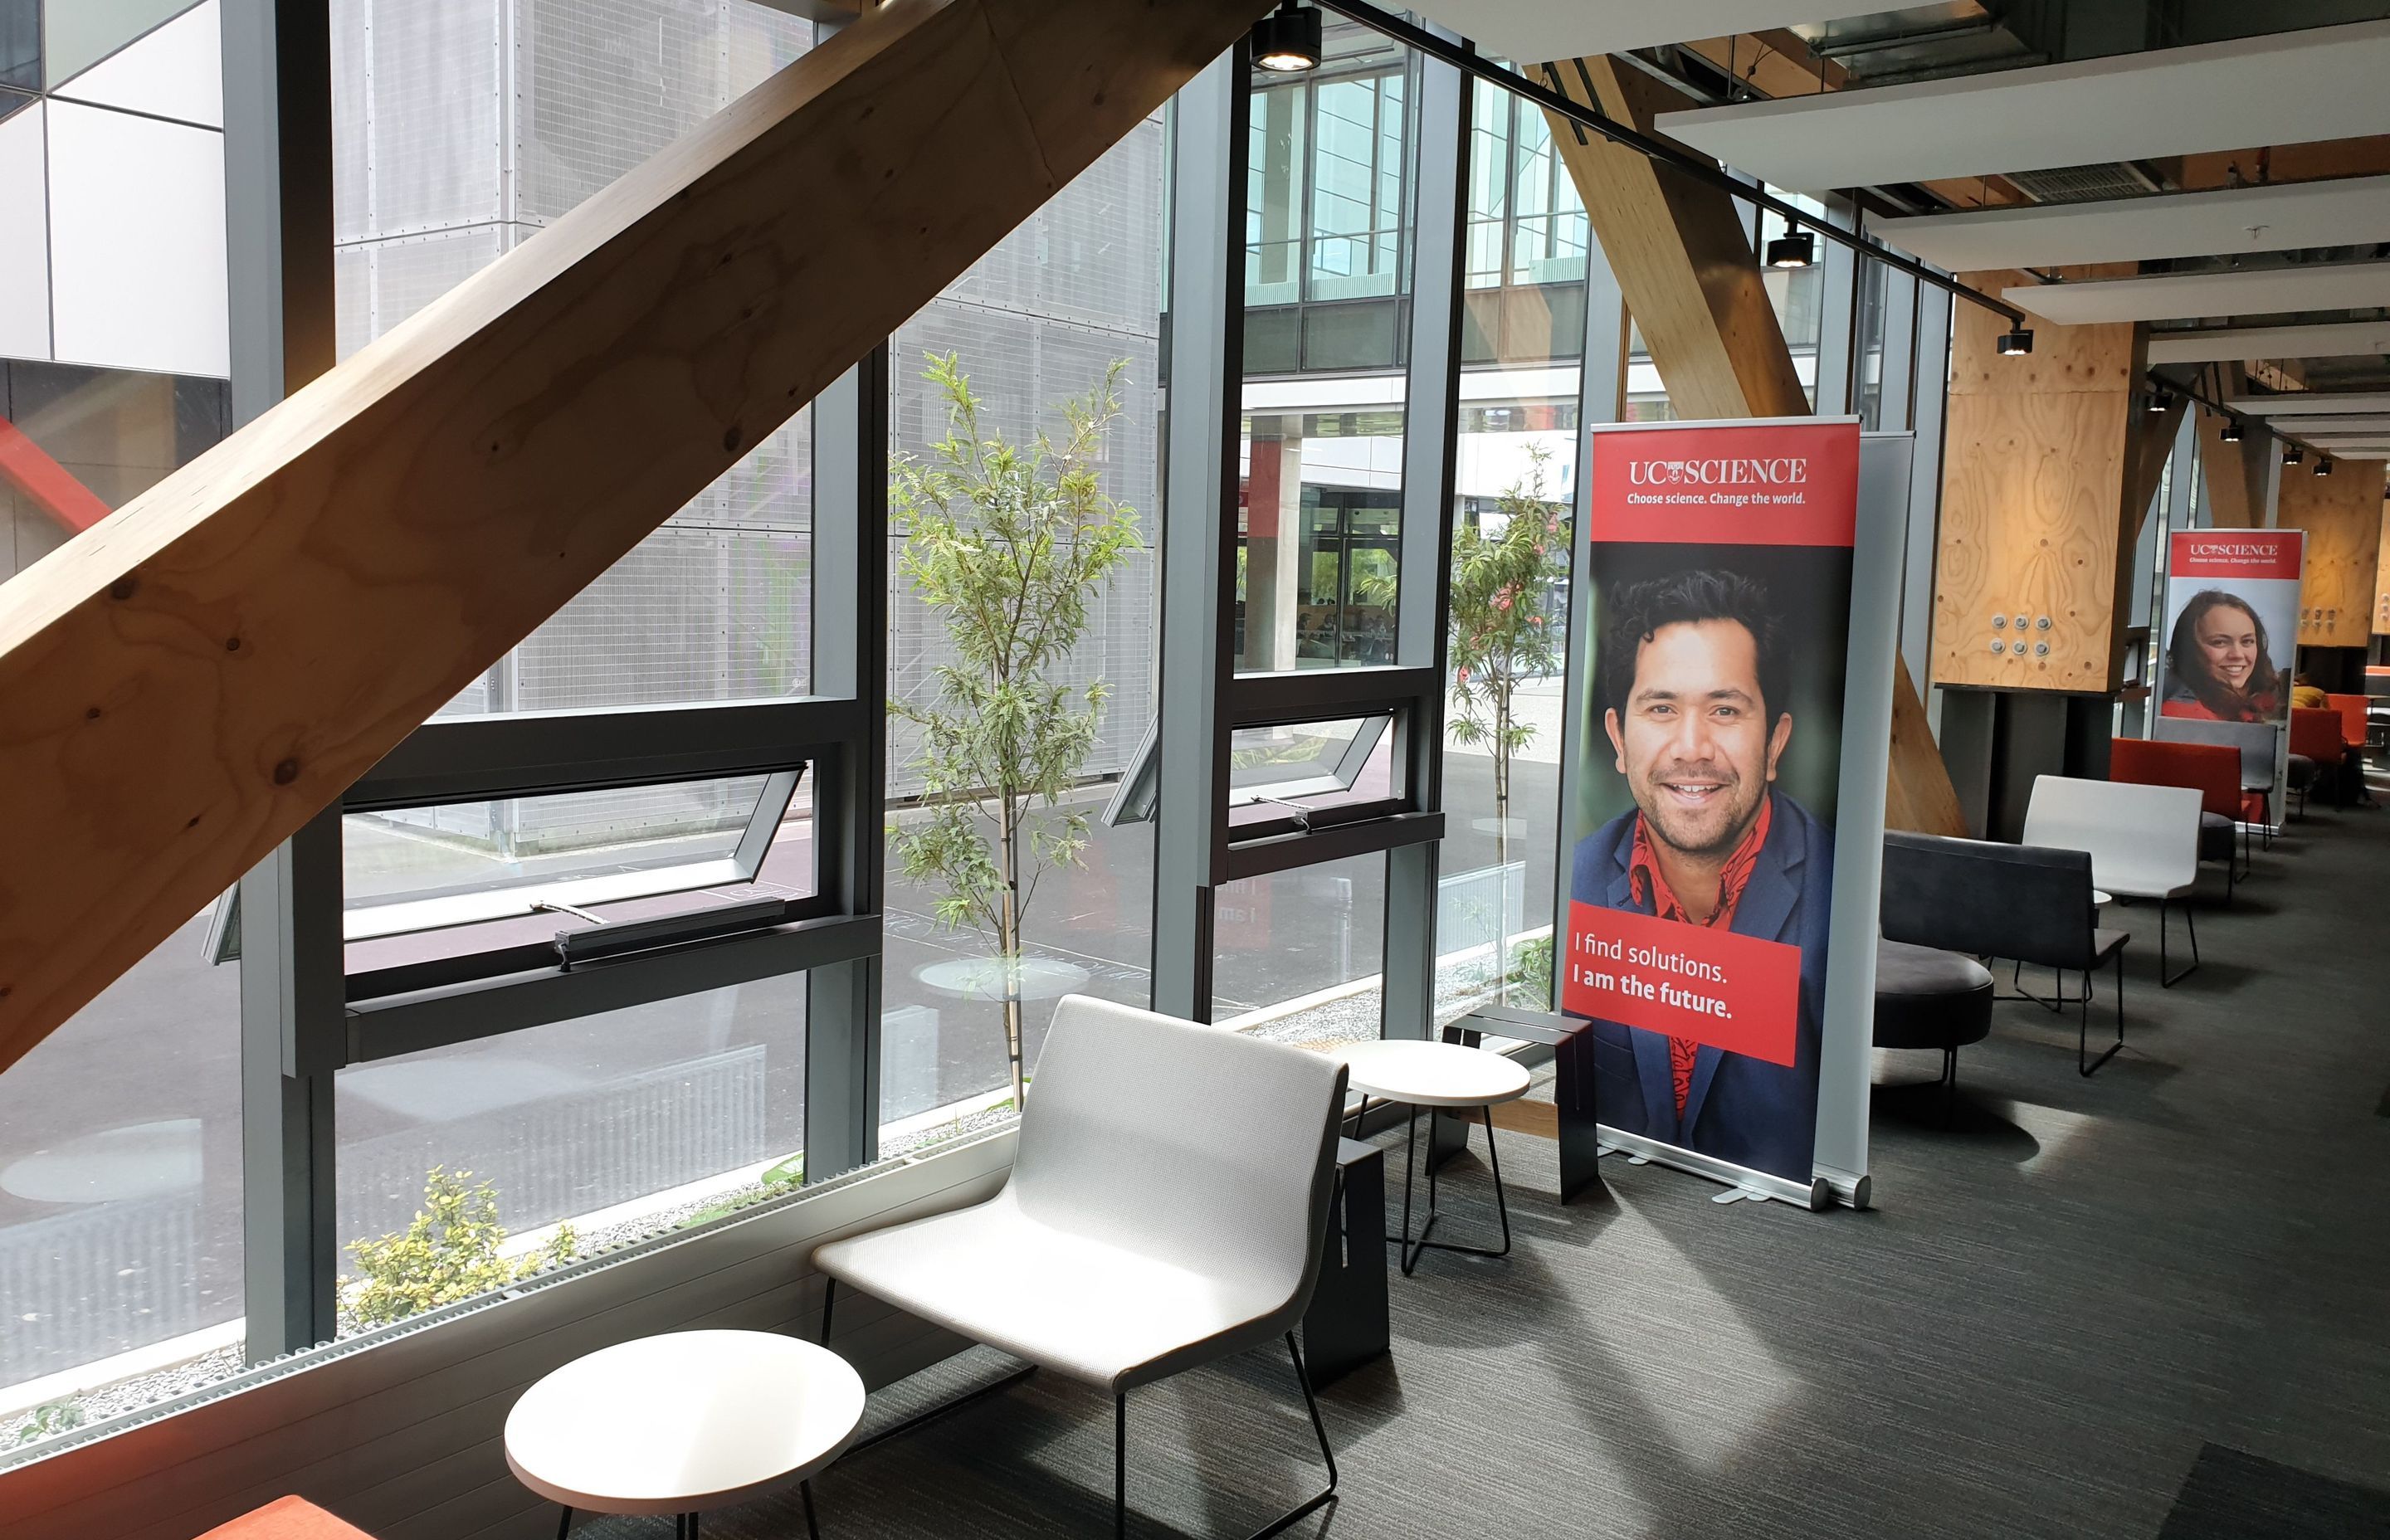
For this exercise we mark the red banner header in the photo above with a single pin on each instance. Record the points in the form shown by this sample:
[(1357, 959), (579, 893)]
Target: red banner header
[(1773, 483), (2203, 554)]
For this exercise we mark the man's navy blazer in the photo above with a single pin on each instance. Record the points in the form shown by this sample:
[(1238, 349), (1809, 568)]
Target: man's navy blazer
[(1737, 1108)]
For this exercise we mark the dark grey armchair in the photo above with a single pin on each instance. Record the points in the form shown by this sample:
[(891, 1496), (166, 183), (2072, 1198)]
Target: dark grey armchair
[(2025, 902)]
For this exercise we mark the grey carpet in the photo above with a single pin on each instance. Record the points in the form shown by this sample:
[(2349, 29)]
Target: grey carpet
[(2057, 1305)]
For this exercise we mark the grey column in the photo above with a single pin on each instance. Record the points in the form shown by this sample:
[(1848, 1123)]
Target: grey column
[(849, 660), (1838, 306), (1206, 351), (293, 1033), (278, 97), (1601, 397), (1932, 372), (1422, 634)]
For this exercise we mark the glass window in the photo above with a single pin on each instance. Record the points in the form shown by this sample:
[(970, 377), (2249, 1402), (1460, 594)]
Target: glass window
[(78, 443), (443, 882), (1063, 317), (1300, 955), (120, 1191), (615, 1125), (451, 149)]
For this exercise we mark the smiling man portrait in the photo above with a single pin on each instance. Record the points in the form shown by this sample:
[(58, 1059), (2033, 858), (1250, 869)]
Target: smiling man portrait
[(1696, 705)]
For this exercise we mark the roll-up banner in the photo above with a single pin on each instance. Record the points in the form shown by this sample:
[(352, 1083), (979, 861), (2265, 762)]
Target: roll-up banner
[(1734, 728), (2229, 646)]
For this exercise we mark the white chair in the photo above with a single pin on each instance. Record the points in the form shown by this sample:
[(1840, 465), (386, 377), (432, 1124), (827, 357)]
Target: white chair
[(2144, 841), (1127, 1246)]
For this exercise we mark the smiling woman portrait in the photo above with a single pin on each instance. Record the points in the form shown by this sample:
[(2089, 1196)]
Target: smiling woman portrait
[(2220, 664)]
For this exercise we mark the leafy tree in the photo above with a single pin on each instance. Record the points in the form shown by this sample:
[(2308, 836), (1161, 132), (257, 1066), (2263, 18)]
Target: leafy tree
[(1009, 544), (449, 1251), (1503, 635)]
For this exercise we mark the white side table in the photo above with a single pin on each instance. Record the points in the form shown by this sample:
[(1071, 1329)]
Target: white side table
[(1436, 1076), (684, 1422)]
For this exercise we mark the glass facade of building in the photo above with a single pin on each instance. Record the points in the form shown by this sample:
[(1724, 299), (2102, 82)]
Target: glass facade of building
[(462, 129)]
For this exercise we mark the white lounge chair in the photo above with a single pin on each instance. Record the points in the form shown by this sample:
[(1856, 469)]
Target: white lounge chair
[(2143, 843), (1125, 1247)]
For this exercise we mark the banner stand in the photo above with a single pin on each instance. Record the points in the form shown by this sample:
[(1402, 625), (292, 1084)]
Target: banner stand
[(1713, 935)]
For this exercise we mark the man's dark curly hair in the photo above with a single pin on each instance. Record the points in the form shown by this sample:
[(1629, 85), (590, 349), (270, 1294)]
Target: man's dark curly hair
[(1639, 610)]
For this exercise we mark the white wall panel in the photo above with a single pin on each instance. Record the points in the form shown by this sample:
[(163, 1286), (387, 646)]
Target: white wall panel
[(176, 71), (24, 238), (136, 242)]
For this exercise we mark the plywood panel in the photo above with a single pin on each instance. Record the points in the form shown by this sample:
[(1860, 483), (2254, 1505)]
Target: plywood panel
[(1919, 797), (2234, 474), (2342, 513), (2381, 584), (2040, 459)]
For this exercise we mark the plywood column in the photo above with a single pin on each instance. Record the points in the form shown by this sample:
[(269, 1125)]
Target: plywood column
[(2342, 515), (2047, 467), (2381, 583), (2235, 474), (1684, 261)]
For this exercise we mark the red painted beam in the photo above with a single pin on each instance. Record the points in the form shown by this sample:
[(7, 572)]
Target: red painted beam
[(51, 485)]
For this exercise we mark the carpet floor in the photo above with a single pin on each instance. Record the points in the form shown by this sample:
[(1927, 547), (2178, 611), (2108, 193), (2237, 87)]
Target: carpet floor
[(2149, 1304)]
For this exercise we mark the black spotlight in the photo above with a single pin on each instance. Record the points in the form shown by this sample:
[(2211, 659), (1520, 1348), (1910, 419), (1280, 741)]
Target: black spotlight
[(2231, 433), (2015, 343), (2291, 454), (2159, 402), (1286, 42), (1792, 248), (2323, 466)]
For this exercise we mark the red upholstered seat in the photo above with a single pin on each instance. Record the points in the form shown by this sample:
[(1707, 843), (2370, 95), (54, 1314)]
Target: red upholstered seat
[(2211, 769), (286, 1519), (2316, 731), (2352, 718)]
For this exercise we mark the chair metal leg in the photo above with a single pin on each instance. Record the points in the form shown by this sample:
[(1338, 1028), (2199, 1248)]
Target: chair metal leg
[(1949, 1083), (2190, 920), (1311, 1402), (564, 1525), (829, 1298)]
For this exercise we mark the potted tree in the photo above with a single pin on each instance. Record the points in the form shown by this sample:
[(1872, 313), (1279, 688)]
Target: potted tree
[(1503, 633), (1009, 544)]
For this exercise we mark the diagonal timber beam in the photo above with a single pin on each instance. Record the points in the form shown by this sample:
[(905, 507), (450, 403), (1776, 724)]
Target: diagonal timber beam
[(1681, 252), (184, 685), (1692, 283)]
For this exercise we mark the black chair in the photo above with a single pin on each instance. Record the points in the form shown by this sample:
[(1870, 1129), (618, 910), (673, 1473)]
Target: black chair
[(2020, 902)]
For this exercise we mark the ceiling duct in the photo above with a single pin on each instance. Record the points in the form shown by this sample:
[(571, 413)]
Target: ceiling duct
[(2085, 184)]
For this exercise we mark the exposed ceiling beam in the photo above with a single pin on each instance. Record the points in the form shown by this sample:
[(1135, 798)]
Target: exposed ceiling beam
[(2366, 156), (2313, 402), (2283, 217), (2238, 344), (2323, 82), (1534, 31), (2188, 296), (2334, 427)]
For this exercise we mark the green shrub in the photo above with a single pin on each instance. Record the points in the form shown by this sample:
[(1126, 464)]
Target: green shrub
[(448, 1253), (49, 1420), (1531, 972)]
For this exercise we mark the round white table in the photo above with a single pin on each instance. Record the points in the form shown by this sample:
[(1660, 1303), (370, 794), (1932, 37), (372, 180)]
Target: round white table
[(1436, 1076), (684, 1422)]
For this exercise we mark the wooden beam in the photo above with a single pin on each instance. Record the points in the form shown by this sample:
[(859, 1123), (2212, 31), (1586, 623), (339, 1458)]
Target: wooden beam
[(1681, 253), (1691, 281), (2342, 513), (189, 682), (2234, 474)]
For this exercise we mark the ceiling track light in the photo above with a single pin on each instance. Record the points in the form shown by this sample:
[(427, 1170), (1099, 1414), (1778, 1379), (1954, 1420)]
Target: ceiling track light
[(1287, 42), (2291, 454), (2231, 433), (2323, 466), (2159, 402), (2016, 341), (1793, 248)]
